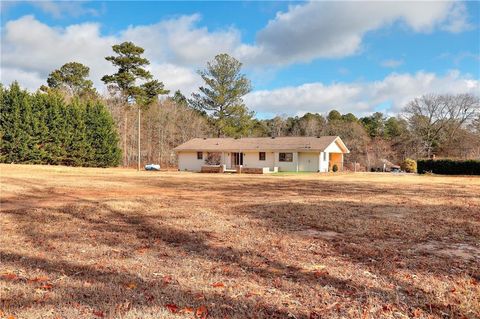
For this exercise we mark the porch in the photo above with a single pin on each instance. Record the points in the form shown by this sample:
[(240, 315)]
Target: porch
[(335, 159)]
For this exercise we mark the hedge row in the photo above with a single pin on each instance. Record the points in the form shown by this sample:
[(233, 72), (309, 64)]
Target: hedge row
[(449, 167), (44, 128)]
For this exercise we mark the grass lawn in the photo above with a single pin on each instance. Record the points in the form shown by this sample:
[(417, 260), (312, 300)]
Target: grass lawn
[(116, 243)]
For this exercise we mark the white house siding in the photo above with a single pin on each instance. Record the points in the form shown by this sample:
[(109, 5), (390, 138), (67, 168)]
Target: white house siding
[(287, 166), (324, 161), (308, 162), (251, 159), (333, 148), (303, 161), (187, 161)]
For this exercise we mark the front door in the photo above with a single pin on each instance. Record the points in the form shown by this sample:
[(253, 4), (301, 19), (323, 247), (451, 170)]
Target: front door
[(237, 159)]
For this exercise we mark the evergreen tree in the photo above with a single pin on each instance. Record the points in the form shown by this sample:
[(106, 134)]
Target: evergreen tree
[(40, 133), (334, 115), (101, 136), (179, 98), (42, 128), (349, 117), (78, 148), (57, 139), (131, 68), (15, 109), (72, 78), (374, 124), (221, 97)]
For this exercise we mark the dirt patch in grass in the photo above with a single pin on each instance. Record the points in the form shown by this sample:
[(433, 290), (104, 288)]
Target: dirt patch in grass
[(114, 243), (317, 234), (450, 250)]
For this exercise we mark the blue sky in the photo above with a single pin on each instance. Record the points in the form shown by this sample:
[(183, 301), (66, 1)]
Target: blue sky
[(301, 56)]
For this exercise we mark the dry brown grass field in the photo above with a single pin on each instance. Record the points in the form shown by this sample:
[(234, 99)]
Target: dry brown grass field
[(116, 243)]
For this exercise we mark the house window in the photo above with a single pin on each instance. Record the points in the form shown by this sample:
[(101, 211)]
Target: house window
[(285, 157), (324, 156), (261, 156), (199, 155)]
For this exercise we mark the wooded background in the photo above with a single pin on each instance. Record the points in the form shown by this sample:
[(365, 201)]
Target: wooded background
[(67, 122)]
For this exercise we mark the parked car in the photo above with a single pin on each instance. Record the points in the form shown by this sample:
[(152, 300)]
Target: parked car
[(396, 170), (152, 167)]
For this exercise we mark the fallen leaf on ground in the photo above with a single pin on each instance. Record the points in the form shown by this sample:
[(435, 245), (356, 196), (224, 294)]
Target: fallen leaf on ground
[(167, 279), (320, 273), (39, 279), (9, 276), (188, 310), (172, 307), (218, 285), (201, 312), (142, 250), (98, 313), (199, 296), (252, 293), (47, 286), (131, 285)]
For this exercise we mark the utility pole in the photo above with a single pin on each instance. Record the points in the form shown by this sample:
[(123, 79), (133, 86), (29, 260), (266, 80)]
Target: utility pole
[(138, 145)]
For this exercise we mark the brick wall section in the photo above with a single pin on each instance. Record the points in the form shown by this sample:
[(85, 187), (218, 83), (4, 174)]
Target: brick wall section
[(252, 170), (212, 169)]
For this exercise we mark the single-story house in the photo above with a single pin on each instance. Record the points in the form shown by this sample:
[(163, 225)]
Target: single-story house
[(287, 154)]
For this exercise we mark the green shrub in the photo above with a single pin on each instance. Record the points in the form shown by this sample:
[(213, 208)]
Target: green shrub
[(409, 165), (449, 167), (334, 168)]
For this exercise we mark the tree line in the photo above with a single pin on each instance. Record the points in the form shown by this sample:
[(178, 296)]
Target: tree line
[(146, 121)]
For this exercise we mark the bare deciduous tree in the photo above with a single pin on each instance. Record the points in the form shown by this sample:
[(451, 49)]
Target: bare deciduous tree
[(435, 117), (165, 126)]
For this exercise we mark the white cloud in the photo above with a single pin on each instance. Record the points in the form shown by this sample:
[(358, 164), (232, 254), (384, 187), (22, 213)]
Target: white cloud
[(31, 46), (178, 46), (29, 80), (176, 77), (60, 9), (359, 97), (457, 20), (31, 50), (329, 29), (180, 41), (391, 63)]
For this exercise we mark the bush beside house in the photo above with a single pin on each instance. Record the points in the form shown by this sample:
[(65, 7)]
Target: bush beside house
[(409, 165)]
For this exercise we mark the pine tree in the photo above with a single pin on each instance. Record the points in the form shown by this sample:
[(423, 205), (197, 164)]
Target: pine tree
[(72, 79), (221, 97), (131, 68)]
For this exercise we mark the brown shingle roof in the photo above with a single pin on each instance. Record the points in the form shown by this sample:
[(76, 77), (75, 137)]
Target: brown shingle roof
[(294, 143)]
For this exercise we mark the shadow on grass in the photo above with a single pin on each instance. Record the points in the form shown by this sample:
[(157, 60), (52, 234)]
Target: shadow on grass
[(367, 236)]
